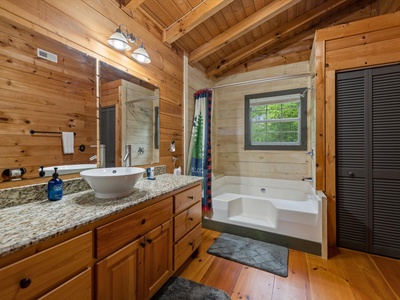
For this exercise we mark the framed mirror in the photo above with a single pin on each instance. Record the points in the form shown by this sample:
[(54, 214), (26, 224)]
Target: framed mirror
[(129, 118)]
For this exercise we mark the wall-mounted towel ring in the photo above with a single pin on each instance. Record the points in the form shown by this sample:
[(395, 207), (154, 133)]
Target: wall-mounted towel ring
[(175, 159)]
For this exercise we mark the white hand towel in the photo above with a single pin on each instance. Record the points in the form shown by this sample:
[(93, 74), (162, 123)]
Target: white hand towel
[(68, 142), (177, 171)]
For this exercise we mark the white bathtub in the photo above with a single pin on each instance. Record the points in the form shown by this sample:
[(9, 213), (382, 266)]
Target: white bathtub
[(286, 207), (68, 169)]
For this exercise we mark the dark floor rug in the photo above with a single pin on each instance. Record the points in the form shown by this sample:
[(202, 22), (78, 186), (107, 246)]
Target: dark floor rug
[(257, 254), (178, 288)]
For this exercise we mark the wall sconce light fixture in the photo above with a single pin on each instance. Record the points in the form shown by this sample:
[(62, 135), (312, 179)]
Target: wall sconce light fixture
[(121, 40)]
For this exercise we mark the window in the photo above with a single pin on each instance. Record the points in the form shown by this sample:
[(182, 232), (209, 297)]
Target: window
[(276, 120)]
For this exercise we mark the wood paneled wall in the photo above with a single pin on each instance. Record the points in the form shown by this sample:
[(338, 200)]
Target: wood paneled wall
[(86, 26), (230, 158), (360, 44), (37, 94)]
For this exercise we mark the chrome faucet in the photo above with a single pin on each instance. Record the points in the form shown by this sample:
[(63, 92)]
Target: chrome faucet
[(127, 157), (102, 162), (311, 153)]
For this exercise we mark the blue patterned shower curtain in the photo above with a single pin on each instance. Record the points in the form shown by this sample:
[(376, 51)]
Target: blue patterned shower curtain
[(199, 158)]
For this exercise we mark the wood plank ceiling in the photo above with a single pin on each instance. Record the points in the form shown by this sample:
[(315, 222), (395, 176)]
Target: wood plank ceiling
[(225, 37)]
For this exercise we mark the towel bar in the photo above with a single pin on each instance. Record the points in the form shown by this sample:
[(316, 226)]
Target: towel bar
[(52, 132)]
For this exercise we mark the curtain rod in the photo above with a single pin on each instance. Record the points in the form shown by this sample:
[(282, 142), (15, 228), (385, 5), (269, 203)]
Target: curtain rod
[(261, 80)]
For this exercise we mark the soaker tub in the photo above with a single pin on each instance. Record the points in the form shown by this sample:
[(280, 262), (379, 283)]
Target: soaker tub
[(68, 169), (285, 207)]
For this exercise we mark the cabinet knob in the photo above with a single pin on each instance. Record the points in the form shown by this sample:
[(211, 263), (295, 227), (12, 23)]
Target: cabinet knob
[(25, 282), (143, 244), (191, 243), (143, 221), (149, 241), (191, 197), (190, 219)]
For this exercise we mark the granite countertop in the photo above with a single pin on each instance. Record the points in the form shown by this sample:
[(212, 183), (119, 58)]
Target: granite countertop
[(30, 223)]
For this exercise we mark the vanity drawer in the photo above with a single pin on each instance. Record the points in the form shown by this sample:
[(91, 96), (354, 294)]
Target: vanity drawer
[(187, 198), (186, 220), (186, 246), (46, 270), (118, 233), (79, 287)]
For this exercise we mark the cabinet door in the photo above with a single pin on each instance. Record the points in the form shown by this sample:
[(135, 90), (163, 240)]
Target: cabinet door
[(120, 275), (158, 258)]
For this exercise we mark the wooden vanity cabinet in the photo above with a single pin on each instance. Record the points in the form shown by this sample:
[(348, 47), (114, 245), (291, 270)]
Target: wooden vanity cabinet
[(123, 257), (139, 269), (153, 251), (52, 271), (187, 224)]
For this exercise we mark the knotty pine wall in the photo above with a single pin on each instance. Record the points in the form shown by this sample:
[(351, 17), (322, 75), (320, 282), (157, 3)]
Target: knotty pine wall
[(37, 94), (86, 26), (359, 44), (229, 156)]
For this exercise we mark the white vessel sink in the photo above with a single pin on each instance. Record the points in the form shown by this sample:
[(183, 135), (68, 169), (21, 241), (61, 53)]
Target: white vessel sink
[(112, 182)]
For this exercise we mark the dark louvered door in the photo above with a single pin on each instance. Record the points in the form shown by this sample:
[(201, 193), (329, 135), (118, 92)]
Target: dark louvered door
[(385, 170), (107, 133), (352, 141), (368, 160)]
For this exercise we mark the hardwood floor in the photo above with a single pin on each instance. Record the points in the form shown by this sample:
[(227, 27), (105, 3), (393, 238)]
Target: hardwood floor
[(348, 275)]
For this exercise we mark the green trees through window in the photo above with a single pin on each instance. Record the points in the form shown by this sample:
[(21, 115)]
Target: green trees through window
[(275, 123), (277, 120)]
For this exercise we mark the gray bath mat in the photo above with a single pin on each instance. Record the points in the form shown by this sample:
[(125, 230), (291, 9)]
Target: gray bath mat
[(257, 254), (178, 288)]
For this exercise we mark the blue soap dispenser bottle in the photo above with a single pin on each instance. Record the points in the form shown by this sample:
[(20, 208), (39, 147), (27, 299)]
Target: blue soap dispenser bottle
[(55, 187)]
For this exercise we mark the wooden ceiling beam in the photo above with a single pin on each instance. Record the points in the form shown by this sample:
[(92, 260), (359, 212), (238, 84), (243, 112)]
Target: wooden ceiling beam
[(272, 61), (130, 4), (266, 13), (194, 18), (273, 36), (281, 53), (133, 4), (352, 13)]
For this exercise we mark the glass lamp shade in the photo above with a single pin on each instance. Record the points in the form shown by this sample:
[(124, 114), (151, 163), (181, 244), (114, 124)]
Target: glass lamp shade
[(141, 55), (118, 41)]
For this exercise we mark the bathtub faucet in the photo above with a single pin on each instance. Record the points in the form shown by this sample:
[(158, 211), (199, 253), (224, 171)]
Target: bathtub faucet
[(310, 153), (308, 179), (127, 157), (102, 151)]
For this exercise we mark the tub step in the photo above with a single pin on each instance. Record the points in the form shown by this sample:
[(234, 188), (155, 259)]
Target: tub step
[(253, 220)]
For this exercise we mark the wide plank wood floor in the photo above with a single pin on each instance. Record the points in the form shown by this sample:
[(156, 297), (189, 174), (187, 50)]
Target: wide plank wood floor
[(347, 275)]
